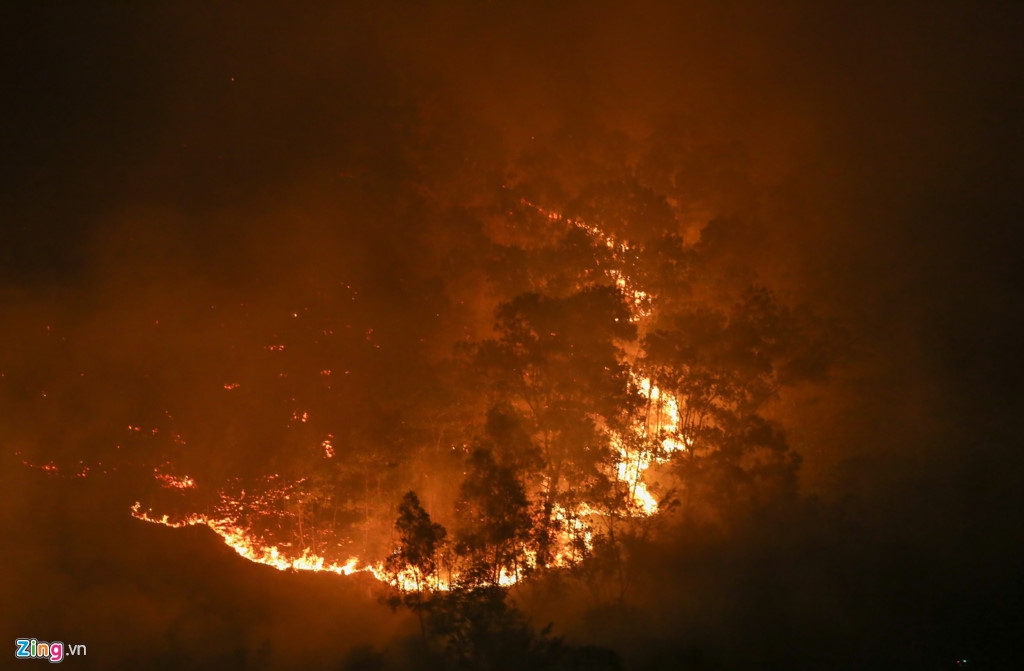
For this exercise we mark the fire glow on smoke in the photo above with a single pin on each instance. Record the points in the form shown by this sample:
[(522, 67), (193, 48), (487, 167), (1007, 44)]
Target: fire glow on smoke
[(661, 423)]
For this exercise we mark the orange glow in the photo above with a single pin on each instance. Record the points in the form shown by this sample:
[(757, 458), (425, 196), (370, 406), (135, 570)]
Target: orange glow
[(48, 467), (238, 540), (171, 481), (654, 438)]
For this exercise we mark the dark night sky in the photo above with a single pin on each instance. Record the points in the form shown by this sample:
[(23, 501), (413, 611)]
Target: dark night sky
[(156, 158)]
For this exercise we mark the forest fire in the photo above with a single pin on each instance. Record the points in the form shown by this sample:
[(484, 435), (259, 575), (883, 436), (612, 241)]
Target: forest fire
[(573, 377), (655, 435), (572, 543), (612, 336)]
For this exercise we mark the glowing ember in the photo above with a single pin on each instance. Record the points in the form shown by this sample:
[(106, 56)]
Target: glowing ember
[(170, 481), (48, 467)]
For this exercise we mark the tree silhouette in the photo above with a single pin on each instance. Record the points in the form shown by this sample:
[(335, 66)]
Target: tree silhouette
[(420, 541), (414, 567), (558, 363), (494, 521)]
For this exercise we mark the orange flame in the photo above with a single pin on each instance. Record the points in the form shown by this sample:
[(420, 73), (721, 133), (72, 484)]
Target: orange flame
[(237, 539)]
